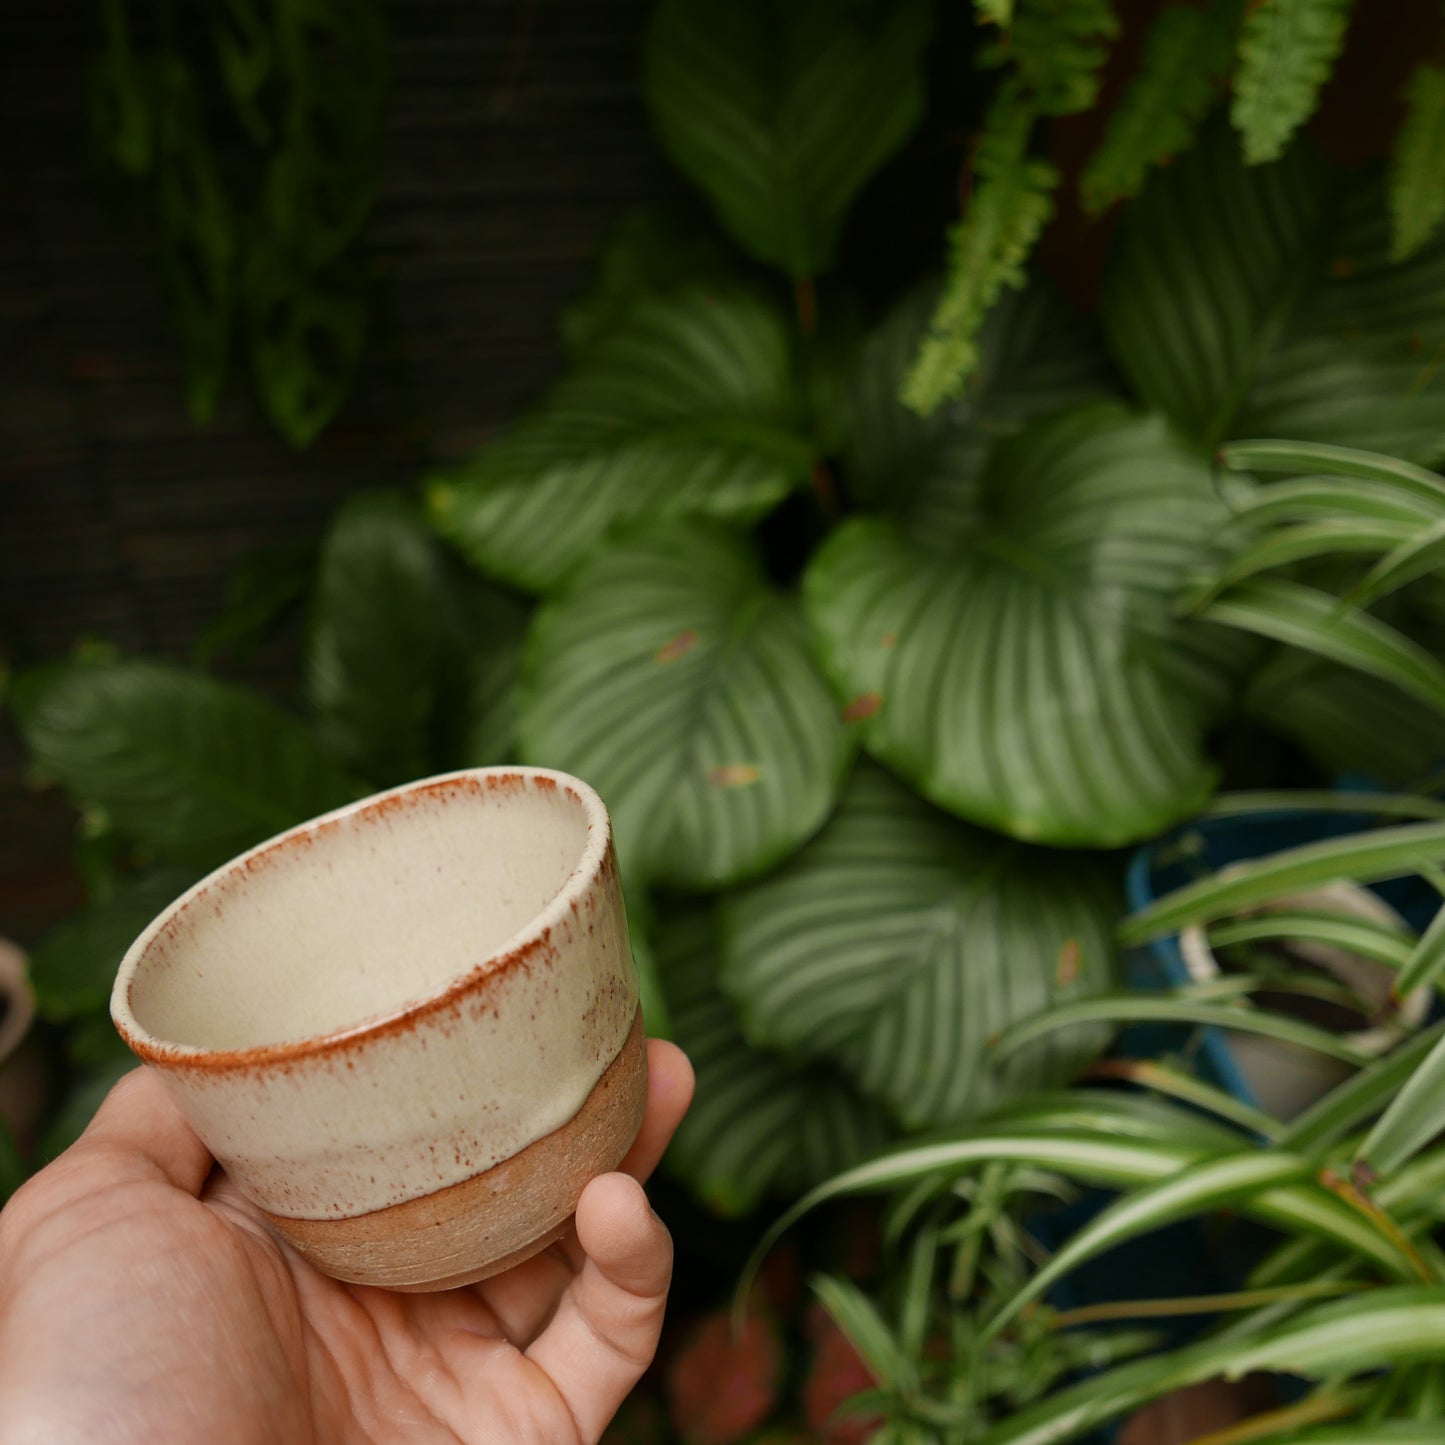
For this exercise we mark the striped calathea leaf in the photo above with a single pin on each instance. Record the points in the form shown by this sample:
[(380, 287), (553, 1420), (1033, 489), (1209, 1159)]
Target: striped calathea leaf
[(782, 113), (1005, 638), (688, 403), (672, 676), (900, 940), (1261, 301), (759, 1124)]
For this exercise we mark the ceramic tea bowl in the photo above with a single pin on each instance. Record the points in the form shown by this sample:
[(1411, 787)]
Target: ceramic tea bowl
[(408, 1030)]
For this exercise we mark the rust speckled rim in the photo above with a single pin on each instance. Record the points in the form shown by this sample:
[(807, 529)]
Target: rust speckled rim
[(596, 862)]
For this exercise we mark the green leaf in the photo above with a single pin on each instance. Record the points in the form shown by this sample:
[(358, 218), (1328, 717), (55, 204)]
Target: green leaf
[(1385, 1329), (1407, 562), (1364, 937), (1011, 205), (1287, 50), (1036, 356), (650, 253), (476, 721), (673, 678), (689, 406), (1359, 1098), (375, 647), (198, 238), (1426, 961), (1417, 177), (321, 179), (1308, 541), (1415, 1116), (782, 114), (1056, 51), (1186, 53), (306, 329), (1361, 857), (1286, 800), (1025, 671), (1334, 499), (1268, 455), (1307, 618), (857, 1316), (1260, 301), (1120, 1009), (1341, 717), (73, 966), (899, 940), (1383, 1432), (758, 1125), (192, 769), (1201, 1188)]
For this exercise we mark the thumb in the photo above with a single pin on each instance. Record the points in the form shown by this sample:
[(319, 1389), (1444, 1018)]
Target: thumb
[(608, 1322)]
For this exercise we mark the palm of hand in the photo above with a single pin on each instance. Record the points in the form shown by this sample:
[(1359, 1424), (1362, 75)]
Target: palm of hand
[(142, 1299)]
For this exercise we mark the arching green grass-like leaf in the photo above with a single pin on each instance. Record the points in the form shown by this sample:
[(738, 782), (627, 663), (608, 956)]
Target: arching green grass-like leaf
[(192, 769), (1260, 301), (688, 406), (673, 678), (1268, 455), (1186, 53), (1415, 1116), (1026, 673), (1359, 1098), (1409, 560), (1361, 857), (1417, 171), (1387, 1328), (1286, 53), (1339, 715), (374, 654), (758, 1125), (899, 940), (1198, 1189), (782, 114), (1307, 618), (1152, 1007)]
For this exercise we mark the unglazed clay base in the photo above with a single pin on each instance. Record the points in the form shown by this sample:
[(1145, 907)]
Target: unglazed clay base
[(496, 1219)]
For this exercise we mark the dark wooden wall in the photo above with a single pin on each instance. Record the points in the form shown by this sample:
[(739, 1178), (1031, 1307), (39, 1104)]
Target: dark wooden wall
[(515, 140)]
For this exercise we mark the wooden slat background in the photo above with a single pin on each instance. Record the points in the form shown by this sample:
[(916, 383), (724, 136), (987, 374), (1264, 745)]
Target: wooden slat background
[(515, 141)]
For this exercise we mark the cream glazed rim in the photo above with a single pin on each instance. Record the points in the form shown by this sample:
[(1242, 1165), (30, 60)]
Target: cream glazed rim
[(593, 864)]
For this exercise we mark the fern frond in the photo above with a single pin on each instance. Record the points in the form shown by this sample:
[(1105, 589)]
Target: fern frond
[(1287, 51), (1417, 169), (994, 12), (1185, 55), (1011, 204), (1057, 49)]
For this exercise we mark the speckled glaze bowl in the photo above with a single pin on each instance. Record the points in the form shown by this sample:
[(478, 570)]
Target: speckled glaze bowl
[(409, 1030)]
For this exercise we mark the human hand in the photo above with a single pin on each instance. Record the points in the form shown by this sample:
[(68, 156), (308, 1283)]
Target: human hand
[(143, 1302)]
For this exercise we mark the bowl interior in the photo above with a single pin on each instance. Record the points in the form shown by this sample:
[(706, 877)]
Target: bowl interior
[(359, 914)]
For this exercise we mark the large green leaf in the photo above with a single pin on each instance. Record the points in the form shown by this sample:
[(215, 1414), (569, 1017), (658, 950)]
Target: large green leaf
[(899, 941), (194, 770), (1417, 169), (375, 648), (1036, 356), (73, 966), (781, 113), (673, 678), (1024, 668), (1260, 301), (758, 1125), (689, 405)]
